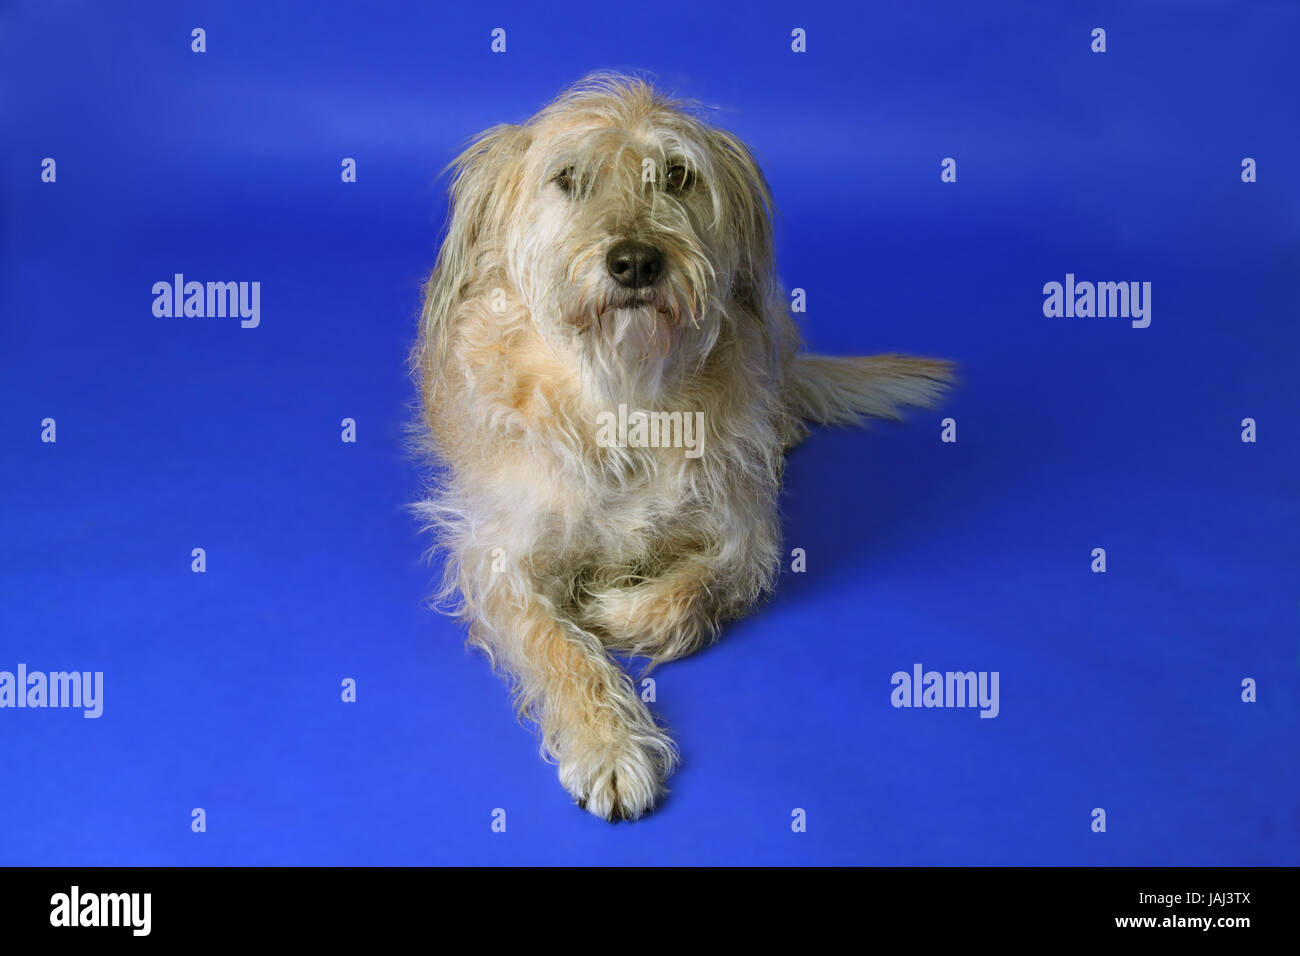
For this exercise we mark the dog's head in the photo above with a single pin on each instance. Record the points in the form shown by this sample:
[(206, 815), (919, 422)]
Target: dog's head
[(627, 226)]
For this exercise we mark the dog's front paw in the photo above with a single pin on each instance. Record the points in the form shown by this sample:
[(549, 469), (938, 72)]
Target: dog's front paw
[(621, 779)]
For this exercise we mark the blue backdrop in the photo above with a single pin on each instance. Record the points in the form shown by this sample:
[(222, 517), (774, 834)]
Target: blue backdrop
[(1120, 690)]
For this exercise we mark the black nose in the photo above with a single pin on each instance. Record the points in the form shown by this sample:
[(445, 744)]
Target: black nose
[(634, 265)]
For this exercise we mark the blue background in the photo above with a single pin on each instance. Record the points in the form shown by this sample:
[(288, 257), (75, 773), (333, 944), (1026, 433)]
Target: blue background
[(222, 690)]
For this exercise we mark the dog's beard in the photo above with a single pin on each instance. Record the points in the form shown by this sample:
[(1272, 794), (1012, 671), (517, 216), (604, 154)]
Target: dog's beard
[(636, 345)]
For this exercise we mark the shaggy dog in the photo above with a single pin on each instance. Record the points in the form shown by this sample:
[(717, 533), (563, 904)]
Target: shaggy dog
[(611, 260)]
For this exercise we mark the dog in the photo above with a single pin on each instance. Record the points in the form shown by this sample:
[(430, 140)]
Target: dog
[(613, 256)]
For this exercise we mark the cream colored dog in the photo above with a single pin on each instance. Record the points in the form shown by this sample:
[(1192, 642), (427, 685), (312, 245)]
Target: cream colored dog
[(610, 260)]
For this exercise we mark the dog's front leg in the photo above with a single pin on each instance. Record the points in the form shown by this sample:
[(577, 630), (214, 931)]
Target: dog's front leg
[(680, 609), (612, 756), (664, 617)]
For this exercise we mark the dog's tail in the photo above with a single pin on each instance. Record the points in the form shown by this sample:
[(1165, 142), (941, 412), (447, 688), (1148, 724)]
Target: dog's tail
[(840, 391)]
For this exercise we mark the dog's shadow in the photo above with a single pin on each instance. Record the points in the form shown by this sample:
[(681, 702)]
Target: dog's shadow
[(850, 496)]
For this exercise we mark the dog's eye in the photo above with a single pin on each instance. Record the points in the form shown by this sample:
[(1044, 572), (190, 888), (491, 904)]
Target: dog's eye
[(679, 179), (565, 180)]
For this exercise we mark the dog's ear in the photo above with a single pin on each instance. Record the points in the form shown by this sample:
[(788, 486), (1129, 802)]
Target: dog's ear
[(746, 211), (482, 184)]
